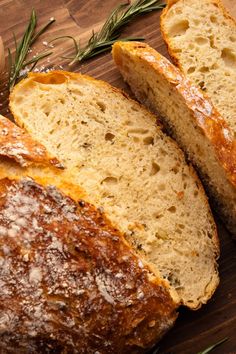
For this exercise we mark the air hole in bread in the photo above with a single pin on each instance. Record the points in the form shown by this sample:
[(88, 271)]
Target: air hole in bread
[(157, 215), (232, 38), (172, 209), (201, 40), (149, 140), (46, 108), (229, 57), (155, 169), (215, 66), (179, 28), (173, 280), (204, 69), (161, 187), (110, 180), (62, 100), (101, 106), (178, 231), (213, 19), (178, 11), (136, 139), (191, 69), (94, 117), (128, 122), (76, 92), (19, 99), (175, 169), (109, 136), (202, 85), (212, 43), (137, 131), (51, 79), (163, 152)]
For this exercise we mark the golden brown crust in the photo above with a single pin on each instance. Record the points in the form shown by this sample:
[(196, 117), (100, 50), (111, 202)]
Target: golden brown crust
[(69, 280), (17, 144), (207, 118)]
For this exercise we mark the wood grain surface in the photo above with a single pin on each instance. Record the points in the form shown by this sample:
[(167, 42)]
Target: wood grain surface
[(194, 331)]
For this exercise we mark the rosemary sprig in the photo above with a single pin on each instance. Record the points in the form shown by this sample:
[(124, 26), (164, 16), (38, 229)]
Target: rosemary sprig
[(209, 349), (101, 41), (22, 48)]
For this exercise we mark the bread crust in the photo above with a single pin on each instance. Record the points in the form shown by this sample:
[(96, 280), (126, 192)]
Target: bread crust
[(69, 280), (206, 116), (16, 144)]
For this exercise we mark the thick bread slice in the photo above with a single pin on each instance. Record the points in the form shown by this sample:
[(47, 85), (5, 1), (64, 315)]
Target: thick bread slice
[(70, 282), (127, 166), (188, 116), (201, 39)]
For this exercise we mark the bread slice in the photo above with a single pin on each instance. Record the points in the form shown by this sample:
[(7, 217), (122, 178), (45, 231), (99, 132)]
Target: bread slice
[(201, 39), (188, 116), (130, 169), (70, 282)]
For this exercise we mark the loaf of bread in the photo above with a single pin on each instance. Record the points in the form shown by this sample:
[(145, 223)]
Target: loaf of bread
[(130, 169), (188, 116), (69, 281), (201, 38)]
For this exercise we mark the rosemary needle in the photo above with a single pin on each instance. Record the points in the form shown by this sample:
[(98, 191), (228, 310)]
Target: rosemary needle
[(208, 350), (18, 63), (101, 41)]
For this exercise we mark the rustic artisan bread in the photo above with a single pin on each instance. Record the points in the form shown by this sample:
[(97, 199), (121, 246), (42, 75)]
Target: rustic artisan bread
[(69, 281), (201, 38), (188, 116), (129, 168)]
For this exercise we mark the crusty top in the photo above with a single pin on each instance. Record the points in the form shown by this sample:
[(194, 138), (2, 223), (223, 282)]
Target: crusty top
[(207, 118), (17, 144), (69, 282)]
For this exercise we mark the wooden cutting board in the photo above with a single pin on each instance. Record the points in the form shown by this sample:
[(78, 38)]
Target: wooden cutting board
[(194, 331)]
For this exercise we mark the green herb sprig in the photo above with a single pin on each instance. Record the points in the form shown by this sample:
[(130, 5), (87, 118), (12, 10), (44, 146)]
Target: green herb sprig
[(209, 349), (18, 62), (101, 41)]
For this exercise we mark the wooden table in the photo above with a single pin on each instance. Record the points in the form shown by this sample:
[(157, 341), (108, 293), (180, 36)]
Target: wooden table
[(194, 331)]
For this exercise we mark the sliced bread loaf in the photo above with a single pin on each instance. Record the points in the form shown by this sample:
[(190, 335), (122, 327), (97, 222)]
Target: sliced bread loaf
[(70, 282), (188, 116), (201, 38), (130, 169)]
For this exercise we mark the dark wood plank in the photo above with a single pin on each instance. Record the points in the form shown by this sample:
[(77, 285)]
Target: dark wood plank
[(216, 320)]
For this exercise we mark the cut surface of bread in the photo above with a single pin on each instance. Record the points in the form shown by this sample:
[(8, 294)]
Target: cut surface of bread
[(131, 169), (70, 282), (188, 116), (201, 38)]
